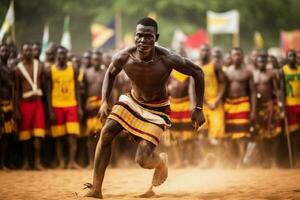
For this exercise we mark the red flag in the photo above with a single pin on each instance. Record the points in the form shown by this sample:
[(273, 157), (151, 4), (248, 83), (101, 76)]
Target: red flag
[(290, 39), (196, 39)]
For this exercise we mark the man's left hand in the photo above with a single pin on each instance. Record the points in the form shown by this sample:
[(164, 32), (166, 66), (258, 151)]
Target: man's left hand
[(197, 118)]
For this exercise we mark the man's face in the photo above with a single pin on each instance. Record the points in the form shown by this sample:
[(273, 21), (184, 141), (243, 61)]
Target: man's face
[(36, 49), (291, 57), (145, 38), (261, 62), (96, 60), (4, 52), (50, 55), (236, 57), (27, 52), (204, 53), (86, 60), (61, 56), (298, 57)]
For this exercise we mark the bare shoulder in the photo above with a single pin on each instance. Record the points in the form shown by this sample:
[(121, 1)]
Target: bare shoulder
[(247, 71), (167, 55), (121, 57)]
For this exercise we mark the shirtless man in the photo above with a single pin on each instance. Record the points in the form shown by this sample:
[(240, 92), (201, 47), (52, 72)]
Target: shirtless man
[(298, 57), (291, 101), (182, 134), (252, 58), (267, 125), (30, 111), (7, 125), (64, 106), (144, 111), (36, 50), (239, 104), (93, 79), (50, 56)]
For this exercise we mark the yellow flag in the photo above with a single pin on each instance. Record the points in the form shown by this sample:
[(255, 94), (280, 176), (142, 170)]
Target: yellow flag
[(8, 21), (258, 40)]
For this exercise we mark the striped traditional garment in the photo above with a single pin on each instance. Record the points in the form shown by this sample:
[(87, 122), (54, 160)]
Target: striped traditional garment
[(147, 120), (181, 118), (237, 114), (7, 121), (93, 124)]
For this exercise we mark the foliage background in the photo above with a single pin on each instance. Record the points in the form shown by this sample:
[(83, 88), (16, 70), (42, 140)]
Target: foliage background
[(265, 16)]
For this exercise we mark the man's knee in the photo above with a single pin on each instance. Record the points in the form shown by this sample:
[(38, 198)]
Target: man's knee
[(143, 154)]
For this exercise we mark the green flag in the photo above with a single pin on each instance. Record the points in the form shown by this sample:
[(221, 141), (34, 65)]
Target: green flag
[(66, 38)]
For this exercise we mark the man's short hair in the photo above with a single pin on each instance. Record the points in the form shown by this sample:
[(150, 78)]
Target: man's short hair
[(24, 44), (61, 47), (147, 21), (237, 49)]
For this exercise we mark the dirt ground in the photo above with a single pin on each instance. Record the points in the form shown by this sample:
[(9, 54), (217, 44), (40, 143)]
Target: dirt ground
[(190, 183)]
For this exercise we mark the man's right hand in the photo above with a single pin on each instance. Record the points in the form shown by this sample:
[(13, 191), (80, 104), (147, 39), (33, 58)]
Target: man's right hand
[(52, 116), (17, 116), (104, 111)]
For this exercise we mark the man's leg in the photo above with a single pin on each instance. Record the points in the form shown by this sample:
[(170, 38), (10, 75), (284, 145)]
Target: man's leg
[(72, 145), (3, 149), (59, 152), (37, 154), (242, 145), (274, 149), (102, 156), (148, 159), (25, 151), (91, 145)]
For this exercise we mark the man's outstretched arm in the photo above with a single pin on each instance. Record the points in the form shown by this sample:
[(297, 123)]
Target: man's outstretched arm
[(113, 70), (187, 67)]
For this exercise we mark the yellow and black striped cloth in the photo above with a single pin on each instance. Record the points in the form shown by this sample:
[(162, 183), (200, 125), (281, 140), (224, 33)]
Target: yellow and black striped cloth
[(147, 120), (237, 113), (7, 121)]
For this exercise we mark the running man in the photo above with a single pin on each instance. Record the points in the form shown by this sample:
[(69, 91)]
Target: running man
[(144, 112)]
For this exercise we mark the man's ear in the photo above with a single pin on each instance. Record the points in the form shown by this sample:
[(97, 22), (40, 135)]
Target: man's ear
[(157, 36)]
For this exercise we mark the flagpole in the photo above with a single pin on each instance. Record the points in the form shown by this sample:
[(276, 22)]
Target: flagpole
[(211, 39), (236, 40), (118, 28), (13, 28)]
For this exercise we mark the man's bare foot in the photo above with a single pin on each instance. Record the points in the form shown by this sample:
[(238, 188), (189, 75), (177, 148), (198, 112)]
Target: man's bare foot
[(148, 194), (161, 172), (61, 165), (25, 166), (38, 166), (73, 165), (92, 192), (4, 168), (90, 166)]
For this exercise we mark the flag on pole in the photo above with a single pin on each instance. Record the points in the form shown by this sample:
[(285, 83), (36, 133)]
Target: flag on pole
[(8, 21), (178, 38), (103, 36), (197, 39), (290, 39), (66, 38), (227, 22), (45, 42), (258, 40)]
